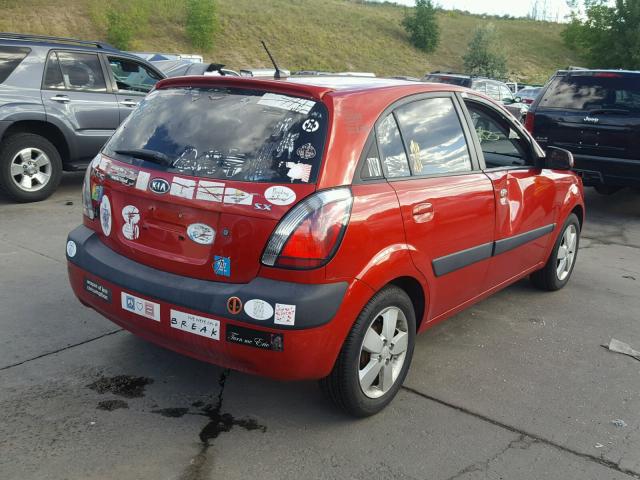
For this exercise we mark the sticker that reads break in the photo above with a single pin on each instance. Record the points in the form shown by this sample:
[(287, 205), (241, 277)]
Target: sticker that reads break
[(98, 290), (140, 306), (255, 338), (195, 324)]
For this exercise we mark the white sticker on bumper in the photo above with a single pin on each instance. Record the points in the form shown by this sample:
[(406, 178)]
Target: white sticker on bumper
[(187, 322), (140, 306)]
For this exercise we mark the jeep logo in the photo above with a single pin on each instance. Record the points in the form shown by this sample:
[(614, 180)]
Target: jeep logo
[(589, 119), (159, 186)]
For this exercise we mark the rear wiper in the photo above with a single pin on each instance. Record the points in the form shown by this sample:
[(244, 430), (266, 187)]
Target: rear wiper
[(150, 155), (621, 111)]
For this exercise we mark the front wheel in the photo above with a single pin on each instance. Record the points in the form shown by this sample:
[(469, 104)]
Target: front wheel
[(558, 269), (376, 355)]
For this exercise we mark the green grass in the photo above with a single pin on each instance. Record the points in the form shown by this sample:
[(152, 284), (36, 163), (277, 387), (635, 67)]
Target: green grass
[(305, 34)]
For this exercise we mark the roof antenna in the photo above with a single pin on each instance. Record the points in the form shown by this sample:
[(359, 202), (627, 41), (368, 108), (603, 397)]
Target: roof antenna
[(277, 75)]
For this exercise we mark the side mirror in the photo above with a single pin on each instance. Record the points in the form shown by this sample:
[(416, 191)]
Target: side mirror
[(558, 159), (518, 99), (508, 101)]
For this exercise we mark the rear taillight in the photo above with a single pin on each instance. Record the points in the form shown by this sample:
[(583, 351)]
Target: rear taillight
[(310, 233), (87, 200), (529, 121)]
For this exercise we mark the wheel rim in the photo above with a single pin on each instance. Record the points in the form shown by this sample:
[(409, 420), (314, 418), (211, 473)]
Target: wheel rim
[(30, 169), (383, 352), (566, 252)]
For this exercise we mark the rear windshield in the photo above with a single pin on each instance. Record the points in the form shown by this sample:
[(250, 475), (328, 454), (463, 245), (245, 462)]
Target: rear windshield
[(599, 91), (225, 133), (10, 58), (460, 81)]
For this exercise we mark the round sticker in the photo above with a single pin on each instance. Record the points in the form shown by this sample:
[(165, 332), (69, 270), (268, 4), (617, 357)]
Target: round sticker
[(131, 217), (71, 248), (234, 305), (201, 233), (105, 215), (258, 309), (310, 125), (280, 195)]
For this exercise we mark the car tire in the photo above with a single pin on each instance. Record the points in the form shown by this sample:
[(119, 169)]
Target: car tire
[(552, 277), (30, 167), (344, 386)]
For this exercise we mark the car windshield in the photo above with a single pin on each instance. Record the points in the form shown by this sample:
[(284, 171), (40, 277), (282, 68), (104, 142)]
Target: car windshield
[(598, 91), (225, 133), (460, 81)]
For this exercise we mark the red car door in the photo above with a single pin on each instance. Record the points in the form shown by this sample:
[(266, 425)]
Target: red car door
[(447, 203), (524, 194)]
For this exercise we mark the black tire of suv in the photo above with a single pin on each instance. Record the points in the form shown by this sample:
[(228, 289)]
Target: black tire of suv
[(342, 386), (9, 148), (547, 278)]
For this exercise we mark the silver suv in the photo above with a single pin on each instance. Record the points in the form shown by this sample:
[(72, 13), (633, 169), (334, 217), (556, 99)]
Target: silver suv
[(60, 100)]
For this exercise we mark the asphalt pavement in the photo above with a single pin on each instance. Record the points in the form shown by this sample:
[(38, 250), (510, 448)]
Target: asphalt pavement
[(517, 387)]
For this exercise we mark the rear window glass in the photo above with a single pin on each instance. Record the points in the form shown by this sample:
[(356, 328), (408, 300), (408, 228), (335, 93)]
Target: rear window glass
[(460, 81), (594, 92), (10, 58), (226, 133)]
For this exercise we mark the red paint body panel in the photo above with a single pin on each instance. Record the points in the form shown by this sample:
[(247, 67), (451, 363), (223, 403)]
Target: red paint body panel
[(396, 230)]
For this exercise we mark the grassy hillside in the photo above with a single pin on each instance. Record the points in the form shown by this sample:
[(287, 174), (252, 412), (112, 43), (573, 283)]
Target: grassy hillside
[(305, 34)]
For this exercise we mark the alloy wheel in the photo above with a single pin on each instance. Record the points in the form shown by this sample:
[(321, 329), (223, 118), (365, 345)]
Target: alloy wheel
[(30, 169), (566, 252)]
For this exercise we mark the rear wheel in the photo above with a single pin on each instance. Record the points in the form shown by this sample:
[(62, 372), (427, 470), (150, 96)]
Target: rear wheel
[(559, 267), (376, 355), (30, 167)]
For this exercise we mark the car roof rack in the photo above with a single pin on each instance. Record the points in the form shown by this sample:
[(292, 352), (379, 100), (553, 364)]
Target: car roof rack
[(48, 38)]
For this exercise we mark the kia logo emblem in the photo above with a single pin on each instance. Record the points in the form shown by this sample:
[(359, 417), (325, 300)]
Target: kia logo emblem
[(159, 186)]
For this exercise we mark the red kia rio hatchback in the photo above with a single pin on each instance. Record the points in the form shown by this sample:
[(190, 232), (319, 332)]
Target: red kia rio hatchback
[(310, 228)]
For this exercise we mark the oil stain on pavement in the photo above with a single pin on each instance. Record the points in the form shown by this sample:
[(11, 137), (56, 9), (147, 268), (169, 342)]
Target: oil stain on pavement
[(122, 385)]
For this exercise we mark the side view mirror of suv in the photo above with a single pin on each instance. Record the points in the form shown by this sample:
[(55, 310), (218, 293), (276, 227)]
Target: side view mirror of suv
[(559, 159)]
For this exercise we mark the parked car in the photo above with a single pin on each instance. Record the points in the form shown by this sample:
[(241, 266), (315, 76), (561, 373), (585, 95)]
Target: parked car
[(262, 72), (179, 68), (495, 89), (160, 57), (271, 236), (529, 94), (60, 100), (596, 115)]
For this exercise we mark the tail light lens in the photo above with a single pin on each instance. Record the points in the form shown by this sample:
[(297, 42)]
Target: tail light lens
[(310, 233), (529, 121), (87, 205)]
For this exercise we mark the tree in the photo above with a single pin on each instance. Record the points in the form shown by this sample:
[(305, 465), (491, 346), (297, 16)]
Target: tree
[(606, 35), (422, 26), (201, 23), (483, 57)]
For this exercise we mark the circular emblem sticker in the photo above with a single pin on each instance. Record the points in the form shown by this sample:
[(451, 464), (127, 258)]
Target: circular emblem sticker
[(234, 305), (105, 215), (71, 248), (280, 195), (258, 309), (310, 125), (201, 233)]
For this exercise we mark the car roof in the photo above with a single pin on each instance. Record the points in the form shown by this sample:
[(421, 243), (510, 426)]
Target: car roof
[(48, 41), (587, 71)]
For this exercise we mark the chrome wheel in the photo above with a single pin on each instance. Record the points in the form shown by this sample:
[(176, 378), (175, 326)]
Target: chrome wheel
[(383, 352), (30, 169), (566, 252)]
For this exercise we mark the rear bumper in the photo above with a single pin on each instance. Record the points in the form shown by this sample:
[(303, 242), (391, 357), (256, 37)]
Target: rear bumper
[(190, 316), (609, 171)]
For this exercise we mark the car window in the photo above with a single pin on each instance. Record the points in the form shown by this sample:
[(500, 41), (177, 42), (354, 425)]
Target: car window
[(493, 91), (598, 91), (460, 81), (132, 76), (501, 144), (505, 93), (225, 133), (433, 136), (394, 157), (371, 168), (480, 87), (74, 71), (10, 58)]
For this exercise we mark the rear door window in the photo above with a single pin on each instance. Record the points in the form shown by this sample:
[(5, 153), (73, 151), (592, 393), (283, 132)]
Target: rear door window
[(592, 92), (74, 71), (225, 133), (394, 157), (433, 136), (493, 91), (10, 58)]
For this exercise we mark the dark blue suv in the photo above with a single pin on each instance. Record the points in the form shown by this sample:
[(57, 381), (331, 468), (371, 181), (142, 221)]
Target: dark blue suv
[(60, 100)]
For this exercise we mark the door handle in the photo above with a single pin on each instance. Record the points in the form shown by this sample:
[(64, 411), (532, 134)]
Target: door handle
[(129, 103), (60, 98), (423, 212)]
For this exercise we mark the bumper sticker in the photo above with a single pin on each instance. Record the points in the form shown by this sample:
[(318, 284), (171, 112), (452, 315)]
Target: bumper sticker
[(72, 248), (258, 309), (285, 314), (280, 195), (205, 327), (234, 305), (123, 175), (105, 215), (201, 233), (210, 191), (255, 338), (130, 228), (100, 291), (143, 180), (222, 266), (140, 306), (182, 187), (237, 197)]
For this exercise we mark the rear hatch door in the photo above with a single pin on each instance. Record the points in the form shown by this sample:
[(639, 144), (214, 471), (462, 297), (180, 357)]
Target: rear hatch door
[(196, 179)]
